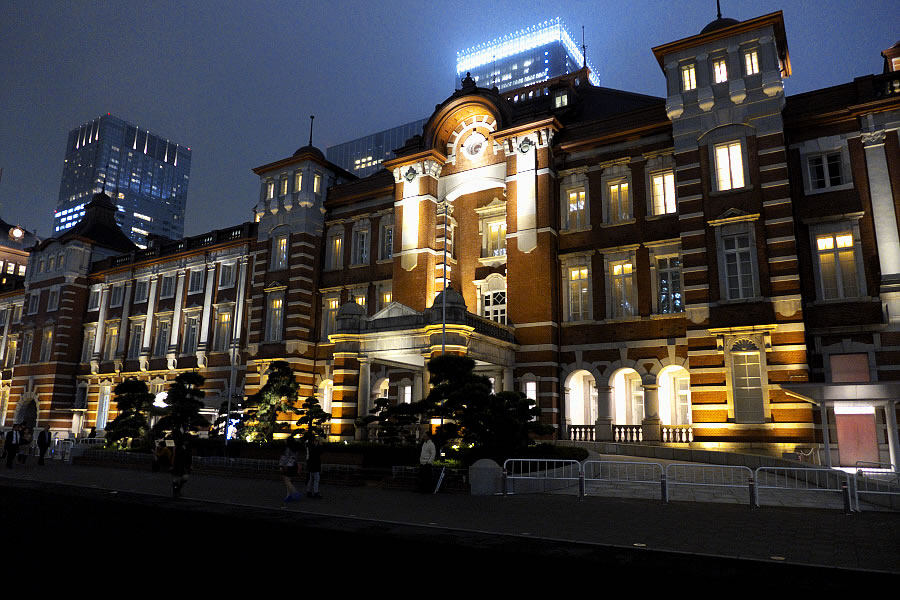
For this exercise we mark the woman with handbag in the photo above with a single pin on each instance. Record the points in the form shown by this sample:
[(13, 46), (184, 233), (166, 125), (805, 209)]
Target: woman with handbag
[(288, 465)]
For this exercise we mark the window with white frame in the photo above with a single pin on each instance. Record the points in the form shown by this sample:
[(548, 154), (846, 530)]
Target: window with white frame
[(838, 263), (53, 299), (618, 201), (298, 181), (46, 344), (576, 209), (135, 338), (494, 237), (283, 186), (17, 313), (729, 166), (103, 406), (747, 383), (578, 292), (4, 315), (226, 275), (280, 248), (720, 71), (561, 100), (317, 184), (492, 298), (360, 253), (274, 316), (738, 265), (116, 293), (33, 302), (622, 298), (87, 347), (167, 286), (195, 282), (191, 332), (635, 398), (688, 78), (110, 341), (662, 186), (270, 189), (751, 62), (386, 239), (681, 391), (222, 331), (11, 345), (668, 280), (141, 291), (825, 170), (330, 308), (335, 249), (161, 336)]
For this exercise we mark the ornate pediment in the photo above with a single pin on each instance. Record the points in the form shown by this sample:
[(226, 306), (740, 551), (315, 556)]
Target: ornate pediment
[(394, 309)]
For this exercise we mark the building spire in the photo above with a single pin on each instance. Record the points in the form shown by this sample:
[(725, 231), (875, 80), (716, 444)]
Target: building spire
[(311, 117), (584, 48), (718, 10)]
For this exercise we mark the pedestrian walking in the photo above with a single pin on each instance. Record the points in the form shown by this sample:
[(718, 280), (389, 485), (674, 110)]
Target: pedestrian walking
[(289, 467), (181, 461), (11, 445), (45, 438), (426, 460), (314, 467), (27, 437)]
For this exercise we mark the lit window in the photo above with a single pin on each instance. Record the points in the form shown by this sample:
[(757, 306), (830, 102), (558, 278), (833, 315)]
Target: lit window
[(46, 345), (751, 62), (274, 317), (747, 383), (668, 272), (329, 317), (729, 166), (579, 300), (619, 202), (298, 181), (623, 291), (270, 190), (738, 264), (837, 265), (825, 171), (335, 248), (280, 253), (222, 332), (688, 78), (283, 187), (103, 406), (317, 183), (495, 239), (359, 296), (111, 342), (720, 71), (577, 215), (561, 100), (663, 188)]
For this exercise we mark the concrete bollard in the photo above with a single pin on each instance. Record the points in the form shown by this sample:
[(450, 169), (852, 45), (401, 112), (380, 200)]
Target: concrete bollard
[(581, 486), (845, 494), (664, 489), (753, 501)]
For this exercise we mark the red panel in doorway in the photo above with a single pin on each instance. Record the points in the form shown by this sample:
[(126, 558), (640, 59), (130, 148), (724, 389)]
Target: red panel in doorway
[(857, 438)]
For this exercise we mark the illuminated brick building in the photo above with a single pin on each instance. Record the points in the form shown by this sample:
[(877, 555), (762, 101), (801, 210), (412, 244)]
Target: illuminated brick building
[(711, 268)]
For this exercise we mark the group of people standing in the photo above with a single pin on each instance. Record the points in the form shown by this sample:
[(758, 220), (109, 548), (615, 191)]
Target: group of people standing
[(289, 465), (18, 441)]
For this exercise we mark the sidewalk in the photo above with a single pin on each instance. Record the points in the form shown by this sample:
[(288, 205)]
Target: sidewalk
[(867, 541)]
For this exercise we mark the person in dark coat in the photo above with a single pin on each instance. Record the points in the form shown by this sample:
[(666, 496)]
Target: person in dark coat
[(181, 461), (13, 440), (314, 466), (45, 438)]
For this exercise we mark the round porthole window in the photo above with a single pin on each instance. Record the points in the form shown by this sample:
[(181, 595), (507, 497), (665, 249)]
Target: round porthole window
[(474, 145)]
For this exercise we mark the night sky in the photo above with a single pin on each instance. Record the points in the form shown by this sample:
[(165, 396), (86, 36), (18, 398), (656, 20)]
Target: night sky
[(236, 81)]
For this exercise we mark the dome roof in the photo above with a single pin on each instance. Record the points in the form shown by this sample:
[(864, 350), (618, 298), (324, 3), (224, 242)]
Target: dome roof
[(719, 23), (351, 309), (309, 150), (454, 298)]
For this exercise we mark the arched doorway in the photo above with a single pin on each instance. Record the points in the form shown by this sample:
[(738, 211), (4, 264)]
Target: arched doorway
[(27, 414), (581, 398), (380, 390), (674, 396), (324, 394), (628, 395)]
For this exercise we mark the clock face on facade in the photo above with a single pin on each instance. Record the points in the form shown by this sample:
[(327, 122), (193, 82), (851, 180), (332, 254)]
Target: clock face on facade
[(525, 146), (474, 144), (410, 174)]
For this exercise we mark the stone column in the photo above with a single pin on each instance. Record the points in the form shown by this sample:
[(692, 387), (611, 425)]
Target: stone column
[(885, 219), (603, 428), (651, 423), (364, 391), (890, 419), (172, 350), (826, 436), (101, 322), (508, 385), (239, 301), (123, 328), (9, 315), (148, 324), (205, 319)]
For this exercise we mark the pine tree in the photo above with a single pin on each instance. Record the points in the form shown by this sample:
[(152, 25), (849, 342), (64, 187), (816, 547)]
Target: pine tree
[(134, 403), (278, 395), (184, 403), (312, 419)]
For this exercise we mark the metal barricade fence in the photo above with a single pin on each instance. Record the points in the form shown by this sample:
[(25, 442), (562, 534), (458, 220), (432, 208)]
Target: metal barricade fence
[(630, 472), (710, 476), (879, 483), (541, 475), (797, 479)]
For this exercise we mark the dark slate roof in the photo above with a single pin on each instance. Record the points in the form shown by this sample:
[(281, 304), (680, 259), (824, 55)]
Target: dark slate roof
[(99, 225), (719, 23), (310, 150)]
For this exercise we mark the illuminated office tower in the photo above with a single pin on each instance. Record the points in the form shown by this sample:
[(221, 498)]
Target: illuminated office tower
[(524, 57), (145, 175), (363, 156)]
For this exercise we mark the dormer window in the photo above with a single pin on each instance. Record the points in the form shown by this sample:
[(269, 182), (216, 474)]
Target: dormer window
[(688, 78), (720, 71), (561, 100)]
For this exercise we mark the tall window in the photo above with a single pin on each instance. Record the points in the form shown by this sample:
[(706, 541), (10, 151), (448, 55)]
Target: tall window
[(579, 294), (87, 349), (191, 333), (746, 382), (116, 294), (329, 316), (493, 298), (317, 184), (729, 166), (663, 187), (720, 72), (11, 353), (336, 250), (298, 181), (623, 292), (360, 245), (274, 317), (837, 265), (161, 344), (141, 292), (668, 271), (33, 302), (495, 238), (46, 344), (111, 342), (681, 388), (136, 339), (53, 299), (737, 258), (226, 275), (825, 171), (167, 286), (103, 406), (386, 243), (222, 333), (279, 253), (619, 202), (270, 189), (195, 283), (688, 78), (577, 216), (283, 186), (751, 62)]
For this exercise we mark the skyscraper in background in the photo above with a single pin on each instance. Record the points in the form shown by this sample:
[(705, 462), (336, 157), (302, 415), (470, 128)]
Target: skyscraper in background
[(524, 57), (146, 176), (363, 156)]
